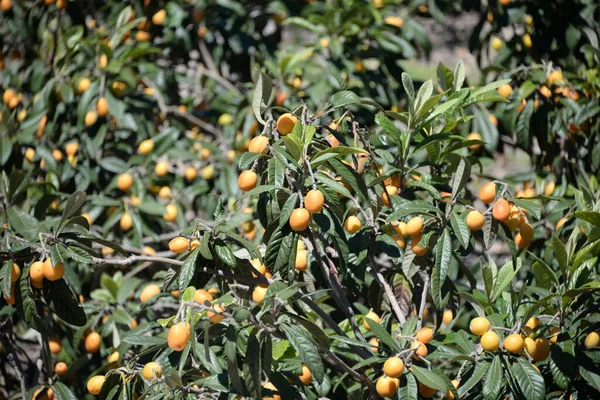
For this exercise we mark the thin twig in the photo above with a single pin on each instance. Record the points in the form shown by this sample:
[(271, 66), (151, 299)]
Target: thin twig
[(389, 293), (423, 301)]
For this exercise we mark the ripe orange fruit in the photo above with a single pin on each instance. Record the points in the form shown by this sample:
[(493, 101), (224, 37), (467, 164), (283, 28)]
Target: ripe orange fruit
[(560, 223), (159, 17), (190, 173), (393, 367), (259, 292), (393, 21), (301, 260), (479, 326), (533, 323), (306, 376), (102, 107), (164, 192), (92, 342), (94, 385), (592, 339), (475, 220), (145, 147), (554, 76), (179, 244), (15, 273), (151, 370), (124, 182), (505, 2), (487, 193), (529, 346), (426, 391), (314, 201), (514, 343), (420, 350), (60, 368), (161, 168), (400, 228), (372, 316), (113, 357), (216, 316), (83, 85), (554, 332), (474, 136), (259, 144), (247, 180), (53, 273), (425, 335), (414, 226), (55, 346), (286, 122), (374, 342), (90, 118), (126, 222), (300, 219), (493, 119), (399, 241), (505, 90), (448, 316), (389, 190), (416, 249), (490, 341), (449, 394), (149, 291), (201, 296), (352, 224), (178, 336), (542, 349), (272, 387), (545, 91), (526, 231), (387, 386), (171, 214), (549, 188), (501, 210)]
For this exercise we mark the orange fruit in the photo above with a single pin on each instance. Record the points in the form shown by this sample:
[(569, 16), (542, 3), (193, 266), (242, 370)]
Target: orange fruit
[(533, 323), (149, 291), (592, 339), (94, 385), (301, 260), (479, 326), (161, 168), (554, 332), (426, 391), (179, 244), (259, 144), (92, 342), (542, 349), (352, 224), (448, 316), (490, 341), (15, 273), (60, 368), (102, 107), (113, 357), (151, 370), (393, 21), (414, 226), (159, 17), (393, 367), (554, 76), (178, 336), (387, 386), (300, 219), (416, 249), (247, 180), (475, 220), (201, 296), (400, 228), (145, 147), (272, 387), (306, 376), (487, 193), (55, 346), (424, 335), (514, 343), (420, 350), (314, 201), (372, 316), (90, 118), (126, 222), (526, 231), (259, 292), (83, 85), (286, 122), (501, 210), (560, 223), (505, 90), (124, 182), (53, 273), (391, 191), (474, 136)]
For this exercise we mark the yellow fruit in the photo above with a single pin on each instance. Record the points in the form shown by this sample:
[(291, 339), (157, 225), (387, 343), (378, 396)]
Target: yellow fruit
[(149, 291), (352, 224), (554, 332), (393, 367), (391, 191), (259, 144), (490, 341), (526, 232), (29, 154), (420, 350), (93, 342), (55, 346), (103, 61), (159, 17), (190, 173), (533, 323), (201, 296), (124, 182), (247, 180), (514, 343), (415, 226), (487, 193), (501, 210), (90, 118), (179, 336), (102, 107), (270, 386), (449, 394), (475, 220), (393, 21), (493, 119), (41, 126), (301, 260), (479, 326), (555, 76), (225, 119), (400, 229), (113, 357), (387, 386), (36, 271), (306, 376), (15, 273), (171, 214), (259, 292), (164, 192), (505, 90), (497, 43), (300, 219), (592, 339), (544, 91), (53, 273), (374, 342), (372, 316), (146, 147), (208, 172), (542, 349), (57, 155), (126, 222), (94, 385), (286, 122), (424, 335), (142, 36), (216, 316), (161, 168), (474, 136), (151, 370), (527, 40), (416, 249), (314, 201), (447, 317), (549, 188), (83, 85), (560, 223), (178, 245), (61, 368), (426, 391)]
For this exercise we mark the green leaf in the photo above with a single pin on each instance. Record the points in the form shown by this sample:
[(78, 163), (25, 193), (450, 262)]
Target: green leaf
[(445, 77), (188, 269), (415, 207), (459, 75), (460, 228), (505, 276), (145, 340), (592, 217), (5, 150), (343, 98), (529, 380), (63, 392), (423, 95), (287, 209), (280, 254), (430, 378), (152, 207), (64, 302), (6, 277), (22, 223), (443, 255), (334, 185), (226, 255), (408, 389), (461, 177), (494, 380), (388, 127), (333, 152), (262, 94), (409, 87), (560, 253), (306, 347), (73, 205), (383, 335), (479, 370), (252, 367), (523, 125)]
